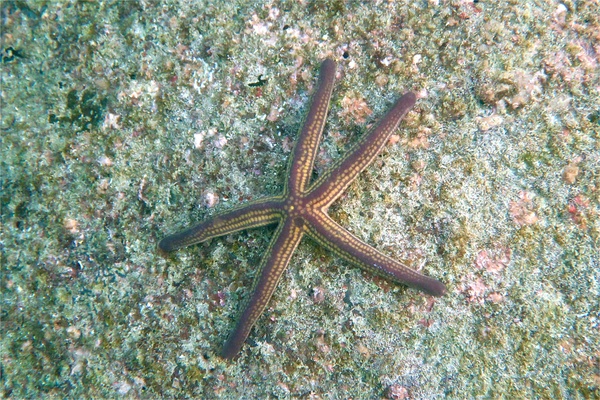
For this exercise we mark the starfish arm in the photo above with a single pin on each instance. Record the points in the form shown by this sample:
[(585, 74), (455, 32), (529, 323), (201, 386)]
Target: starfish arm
[(338, 240), (258, 213), (331, 185), (301, 162), (273, 264)]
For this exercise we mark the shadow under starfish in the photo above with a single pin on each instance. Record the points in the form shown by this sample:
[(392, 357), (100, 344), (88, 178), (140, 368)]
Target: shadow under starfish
[(302, 209)]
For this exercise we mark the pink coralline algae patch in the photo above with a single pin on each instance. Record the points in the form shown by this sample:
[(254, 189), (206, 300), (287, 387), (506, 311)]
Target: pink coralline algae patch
[(495, 298), (397, 392), (71, 225), (493, 261), (355, 109), (421, 141), (578, 210), (571, 171), (521, 210), (476, 290), (475, 287), (527, 86), (210, 199), (111, 121)]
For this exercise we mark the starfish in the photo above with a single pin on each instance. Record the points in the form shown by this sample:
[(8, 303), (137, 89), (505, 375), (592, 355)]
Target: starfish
[(302, 209)]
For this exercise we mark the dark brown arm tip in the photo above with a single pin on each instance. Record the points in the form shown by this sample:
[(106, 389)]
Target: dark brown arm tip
[(410, 98), (230, 350), (436, 288), (165, 245), (328, 66)]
